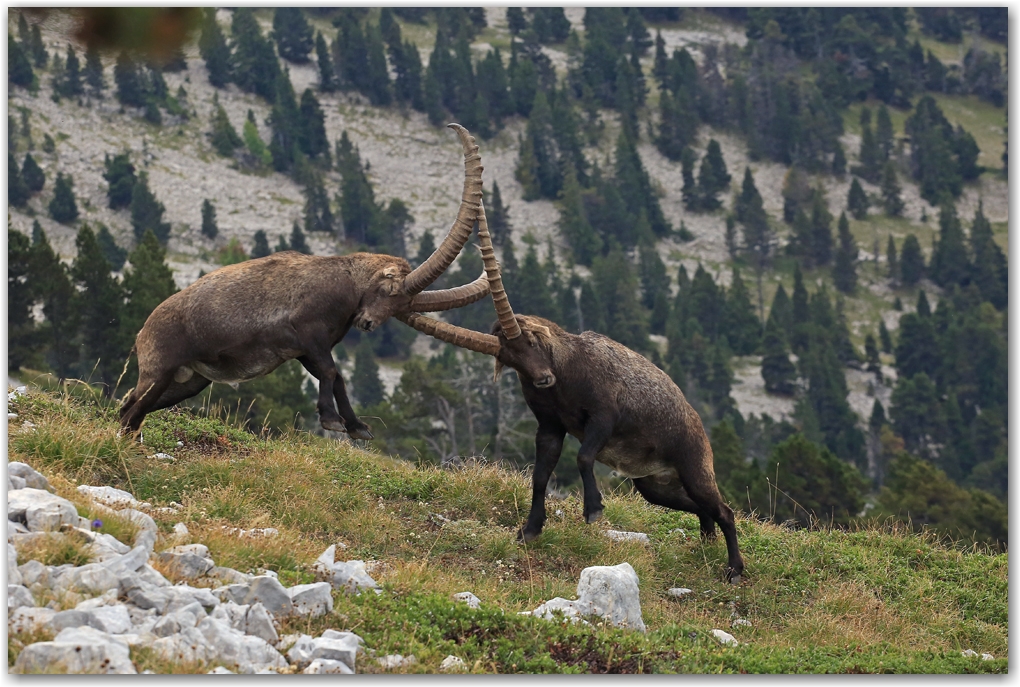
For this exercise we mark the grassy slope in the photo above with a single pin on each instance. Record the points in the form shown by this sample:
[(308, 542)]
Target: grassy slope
[(871, 600)]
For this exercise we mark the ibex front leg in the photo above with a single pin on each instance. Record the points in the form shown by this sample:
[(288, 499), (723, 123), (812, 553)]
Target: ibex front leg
[(596, 433), (331, 386)]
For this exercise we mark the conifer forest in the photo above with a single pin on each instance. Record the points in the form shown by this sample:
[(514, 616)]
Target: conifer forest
[(799, 214)]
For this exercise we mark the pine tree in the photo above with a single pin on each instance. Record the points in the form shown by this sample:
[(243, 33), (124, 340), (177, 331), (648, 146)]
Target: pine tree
[(844, 272), (209, 228), (801, 314), (70, 85), (857, 201), (781, 312), (839, 161), (285, 121), (871, 355), (32, 174), (778, 372), (869, 156), (281, 244), (990, 272), (884, 135), (94, 71), (949, 264), (254, 66), (63, 208), (327, 78), (690, 188), (21, 296), (516, 21), (313, 125), (367, 387), (147, 283), (740, 325), (114, 254), (884, 337), (498, 216), (890, 252), (59, 330), (318, 214), (101, 307), (120, 175), (129, 80), (292, 34), (19, 69), (380, 92), (821, 231), (17, 189), (255, 145), (748, 196), (261, 247), (297, 240), (147, 212), (224, 136), (426, 247), (37, 49), (583, 239), (212, 46), (891, 200)]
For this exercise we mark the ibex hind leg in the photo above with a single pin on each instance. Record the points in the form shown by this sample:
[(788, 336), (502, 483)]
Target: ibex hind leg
[(143, 399), (181, 391)]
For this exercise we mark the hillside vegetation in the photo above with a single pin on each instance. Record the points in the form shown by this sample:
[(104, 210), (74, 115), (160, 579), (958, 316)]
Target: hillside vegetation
[(870, 598)]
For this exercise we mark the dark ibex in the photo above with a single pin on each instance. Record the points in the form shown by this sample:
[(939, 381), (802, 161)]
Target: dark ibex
[(243, 321), (627, 413)]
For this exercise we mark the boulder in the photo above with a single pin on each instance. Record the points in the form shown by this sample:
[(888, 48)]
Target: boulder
[(229, 575), (14, 528), (725, 638), (65, 619), (467, 597), (609, 592), (186, 646), (220, 670), (14, 482), (300, 653), (31, 478), (32, 572), (639, 537), (29, 619), (39, 510), (233, 648), (351, 576), (107, 599), (18, 596), (147, 530), (232, 592), (142, 594), (108, 496), (187, 562), (178, 621), (331, 646), (322, 666), (182, 596), (77, 650), (392, 661), (113, 620), (452, 664), (270, 593), (251, 620), (103, 547), (740, 622), (149, 574), (92, 579), (181, 530), (311, 599), (13, 573), (679, 592)]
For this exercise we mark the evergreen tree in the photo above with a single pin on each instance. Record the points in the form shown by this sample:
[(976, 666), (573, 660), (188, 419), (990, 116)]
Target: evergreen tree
[(690, 188), (741, 326), (869, 156), (884, 338), (120, 175), (516, 21), (261, 247), (801, 315), (19, 69), (297, 240), (70, 85), (213, 48), (114, 254), (281, 244), (839, 161), (59, 329), (616, 286), (857, 201), (748, 197), (130, 81), (989, 269), (636, 187), (891, 200), (327, 78), (815, 485), (101, 307), (254, 67), (821, 231), (782, 312), (949, 264), (292, 34), (378, 73), (17, 189), (147, 283), (147, 212), (871, 355), (209, 228), (498, 216), (367, 387), (32, 174), (313, 125), (426, 247), (286, 124), (884, 136), (94, 71), (224, 137), (255, 145), (778, 372), (583, 239), (844, 272), (37, 49), (63, 208), (21, 296), (890, 252), (318, 214)]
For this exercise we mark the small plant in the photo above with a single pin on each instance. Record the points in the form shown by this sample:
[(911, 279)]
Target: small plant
[(57, 549)]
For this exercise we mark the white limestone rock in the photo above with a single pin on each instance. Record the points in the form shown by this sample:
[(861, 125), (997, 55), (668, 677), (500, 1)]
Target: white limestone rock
[(13, 573), (392, 661), (109, 496), (617, 535), (467, 597), (29, 619), (18, 596), (77, 650), (322, 666), (311, 600), (352, 577), (725, 638), (39, 510), (609, 592), (31, 478), (251, 620), (189, 561), (452, 664), (270, 593), (679, 592), (233, 648), (113, 620)]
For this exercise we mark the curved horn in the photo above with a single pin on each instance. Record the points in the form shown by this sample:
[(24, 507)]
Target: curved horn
[(448, 299), (458, 336), (460, 232), (502, 304)]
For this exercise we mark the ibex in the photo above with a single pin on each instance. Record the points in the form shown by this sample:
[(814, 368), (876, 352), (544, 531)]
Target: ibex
[(245, 320), (627, 413)]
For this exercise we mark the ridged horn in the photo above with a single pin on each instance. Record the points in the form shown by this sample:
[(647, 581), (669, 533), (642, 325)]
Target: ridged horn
[(452, 334), (437, 263), (448, 299), (499, 299)]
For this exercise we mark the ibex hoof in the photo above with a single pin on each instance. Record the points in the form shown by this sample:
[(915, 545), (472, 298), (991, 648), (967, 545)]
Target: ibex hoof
[(333, 425), (527, 537), (362, 433), (735, 579), (593, 516)]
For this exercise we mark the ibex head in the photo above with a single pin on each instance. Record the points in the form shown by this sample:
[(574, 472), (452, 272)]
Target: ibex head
[(394, 288)]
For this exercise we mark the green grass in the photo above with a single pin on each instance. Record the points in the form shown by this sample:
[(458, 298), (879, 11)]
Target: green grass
[(873, 599)]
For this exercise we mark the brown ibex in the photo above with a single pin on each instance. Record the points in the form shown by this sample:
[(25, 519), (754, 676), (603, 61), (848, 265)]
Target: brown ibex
[(627, 413), (245, 320)]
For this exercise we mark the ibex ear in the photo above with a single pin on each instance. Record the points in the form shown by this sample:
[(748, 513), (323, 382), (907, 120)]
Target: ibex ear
[(543, 330), (496, 369), (392, 279)]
